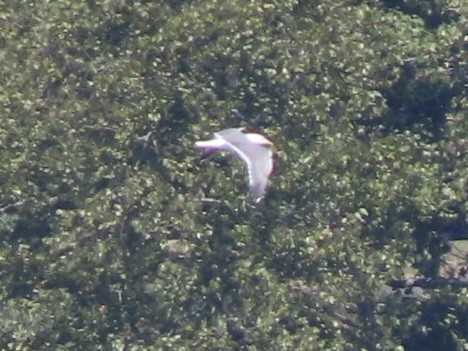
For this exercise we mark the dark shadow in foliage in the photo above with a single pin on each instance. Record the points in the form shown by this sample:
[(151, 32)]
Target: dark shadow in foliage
[(417, 100), (145, 150), (439, 336), (432, 12), (218, 263), (52, 88), (183, 60), (432, 238), (153, 147), (31, 228), (177, 4), (217, 67), (22, 273), (388, 222), (292, 263), (430, 248), (458, 65), (176, 124), (455, 231), (116, 32), (278, 92), (25, 277)]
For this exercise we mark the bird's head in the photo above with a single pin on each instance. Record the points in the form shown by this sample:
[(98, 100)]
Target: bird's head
[(259, 139)]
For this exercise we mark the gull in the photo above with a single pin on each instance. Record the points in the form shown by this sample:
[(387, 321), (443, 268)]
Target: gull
[(253, 149)]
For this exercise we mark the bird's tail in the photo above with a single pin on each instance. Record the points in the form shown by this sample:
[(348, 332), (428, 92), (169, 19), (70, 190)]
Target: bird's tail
[(210, 145)]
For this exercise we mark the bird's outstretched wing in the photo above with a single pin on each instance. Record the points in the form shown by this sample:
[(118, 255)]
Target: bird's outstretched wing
[(258, 159)]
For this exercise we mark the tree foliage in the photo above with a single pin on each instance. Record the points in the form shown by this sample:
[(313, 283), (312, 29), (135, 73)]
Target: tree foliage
[(107, 240)]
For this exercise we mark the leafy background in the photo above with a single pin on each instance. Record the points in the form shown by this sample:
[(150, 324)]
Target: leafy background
[(106, 242)]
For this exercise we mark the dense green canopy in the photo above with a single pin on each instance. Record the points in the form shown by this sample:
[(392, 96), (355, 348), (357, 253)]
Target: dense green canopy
[(106, 242)]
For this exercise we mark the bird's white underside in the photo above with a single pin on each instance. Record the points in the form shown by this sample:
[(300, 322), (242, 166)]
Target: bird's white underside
[(239, 144)]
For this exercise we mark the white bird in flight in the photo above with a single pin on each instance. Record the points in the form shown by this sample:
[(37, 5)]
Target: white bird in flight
[(253, 149)]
